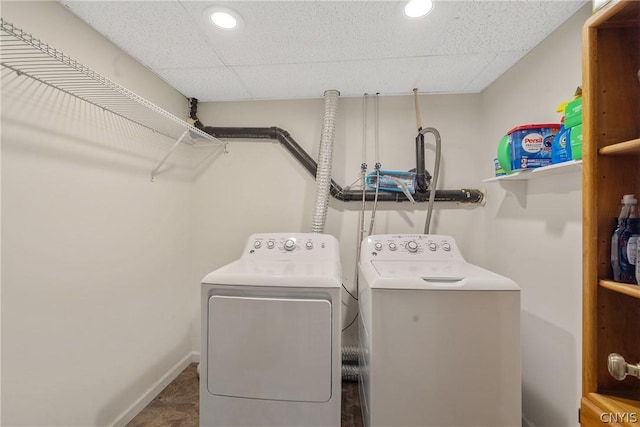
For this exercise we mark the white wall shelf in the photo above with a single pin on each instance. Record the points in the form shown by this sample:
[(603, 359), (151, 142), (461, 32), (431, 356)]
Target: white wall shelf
[(526, 175), (28, 56), (516, 183)]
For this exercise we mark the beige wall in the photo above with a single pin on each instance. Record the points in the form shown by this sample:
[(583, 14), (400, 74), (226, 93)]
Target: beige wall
[(95, 257), (533, 231)]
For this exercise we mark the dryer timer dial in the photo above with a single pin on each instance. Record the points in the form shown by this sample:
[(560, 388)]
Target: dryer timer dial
[(412, 246)]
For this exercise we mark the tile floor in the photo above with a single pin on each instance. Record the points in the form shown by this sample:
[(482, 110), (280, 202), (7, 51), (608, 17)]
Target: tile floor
[(177, 405)]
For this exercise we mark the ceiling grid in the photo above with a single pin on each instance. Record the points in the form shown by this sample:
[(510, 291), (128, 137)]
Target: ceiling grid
[(298, 49)]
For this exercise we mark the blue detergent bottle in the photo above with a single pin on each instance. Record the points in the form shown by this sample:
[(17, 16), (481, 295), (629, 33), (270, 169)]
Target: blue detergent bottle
[(628, 244), (615, 237), (561, 147)]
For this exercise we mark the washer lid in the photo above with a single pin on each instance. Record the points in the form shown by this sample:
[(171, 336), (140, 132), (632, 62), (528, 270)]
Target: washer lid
[(431, 275), (445, 271)]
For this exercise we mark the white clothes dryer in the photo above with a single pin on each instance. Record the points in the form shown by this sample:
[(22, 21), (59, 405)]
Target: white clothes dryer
[(271, 335), (439, 337)]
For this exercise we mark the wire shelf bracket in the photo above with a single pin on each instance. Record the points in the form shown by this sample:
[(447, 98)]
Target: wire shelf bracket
[(30, 57)]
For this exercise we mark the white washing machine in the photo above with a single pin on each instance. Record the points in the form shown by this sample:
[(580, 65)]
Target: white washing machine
[(271, 335), (439, 337)]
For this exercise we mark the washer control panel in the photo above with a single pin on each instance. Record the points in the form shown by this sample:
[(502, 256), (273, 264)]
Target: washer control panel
[(278, 246), (417, 247)]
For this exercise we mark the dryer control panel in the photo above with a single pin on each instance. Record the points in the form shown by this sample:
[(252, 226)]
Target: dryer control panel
[(291, 246), (414, 247)]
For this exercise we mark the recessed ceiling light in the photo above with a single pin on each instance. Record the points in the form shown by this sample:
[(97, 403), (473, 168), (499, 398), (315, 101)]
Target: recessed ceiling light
[(223, 18), (418, 8)]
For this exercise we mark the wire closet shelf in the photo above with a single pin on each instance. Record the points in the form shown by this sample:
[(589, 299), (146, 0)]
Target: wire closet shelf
[(29, 56)]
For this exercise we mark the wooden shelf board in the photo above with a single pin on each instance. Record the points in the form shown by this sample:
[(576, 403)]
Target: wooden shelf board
[(615, 403), (599, 409), (623, 288)]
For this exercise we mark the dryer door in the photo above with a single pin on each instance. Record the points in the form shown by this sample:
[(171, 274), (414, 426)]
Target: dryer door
[(269, 348)]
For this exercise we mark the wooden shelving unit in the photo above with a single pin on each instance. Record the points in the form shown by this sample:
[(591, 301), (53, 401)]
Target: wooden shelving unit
[(611, 168)]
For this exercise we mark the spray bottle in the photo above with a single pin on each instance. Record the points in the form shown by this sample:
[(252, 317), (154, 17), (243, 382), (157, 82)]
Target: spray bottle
[(628, 244), (615, 237)]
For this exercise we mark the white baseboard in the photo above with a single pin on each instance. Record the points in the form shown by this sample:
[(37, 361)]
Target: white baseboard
[(526, 422), (155, 389)]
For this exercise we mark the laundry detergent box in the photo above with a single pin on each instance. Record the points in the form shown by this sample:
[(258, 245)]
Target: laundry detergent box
[(531, 145), (573, 113), (576, 142)]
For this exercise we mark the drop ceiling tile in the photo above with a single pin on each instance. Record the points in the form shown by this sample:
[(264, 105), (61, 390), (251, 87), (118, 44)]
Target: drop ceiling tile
[(292, 32), (294, 49), (496, 67), (159, 34), (206, 84), (497, 26), (452, 73), (308, 80), (398, 76)]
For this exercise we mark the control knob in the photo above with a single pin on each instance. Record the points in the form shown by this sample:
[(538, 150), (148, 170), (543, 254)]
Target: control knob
[(271, 244), (412, 246), (378, 246), (392, 246), (446, 246), (309, 245), (257, 244), (289, 245), (432, 247)]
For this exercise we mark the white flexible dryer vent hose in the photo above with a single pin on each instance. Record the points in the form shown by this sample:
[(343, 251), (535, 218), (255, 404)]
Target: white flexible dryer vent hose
[(325, 158)]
